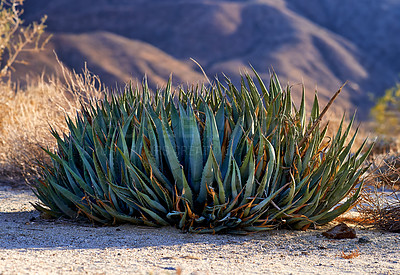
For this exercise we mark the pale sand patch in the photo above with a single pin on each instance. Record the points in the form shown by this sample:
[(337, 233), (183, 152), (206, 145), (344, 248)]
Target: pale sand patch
[(60, 247)]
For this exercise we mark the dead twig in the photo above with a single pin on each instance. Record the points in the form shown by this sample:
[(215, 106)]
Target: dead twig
[(318, 120)]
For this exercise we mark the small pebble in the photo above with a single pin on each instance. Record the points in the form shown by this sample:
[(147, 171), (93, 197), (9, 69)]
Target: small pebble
[(364, 240), (340, 231)]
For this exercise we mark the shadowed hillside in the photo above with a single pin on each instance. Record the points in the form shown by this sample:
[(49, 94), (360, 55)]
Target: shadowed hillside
[(321, 43), (118, 59)]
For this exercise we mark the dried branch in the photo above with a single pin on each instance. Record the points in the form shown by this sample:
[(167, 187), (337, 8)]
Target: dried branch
[(16, 38)]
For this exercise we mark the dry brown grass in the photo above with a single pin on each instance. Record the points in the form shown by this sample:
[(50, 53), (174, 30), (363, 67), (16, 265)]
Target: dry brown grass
[(381, 198), (27, 115)]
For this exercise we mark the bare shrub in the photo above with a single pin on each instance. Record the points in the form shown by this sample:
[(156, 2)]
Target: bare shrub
[(16, 38)]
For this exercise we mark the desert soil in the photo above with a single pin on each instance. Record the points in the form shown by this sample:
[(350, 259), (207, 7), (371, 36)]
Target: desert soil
[(32, 245)]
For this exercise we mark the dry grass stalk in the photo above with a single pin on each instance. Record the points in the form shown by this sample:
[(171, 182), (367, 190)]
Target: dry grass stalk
[(27, 115)]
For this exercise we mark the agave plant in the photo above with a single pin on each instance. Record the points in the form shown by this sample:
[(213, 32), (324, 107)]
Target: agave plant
[(205, 159)]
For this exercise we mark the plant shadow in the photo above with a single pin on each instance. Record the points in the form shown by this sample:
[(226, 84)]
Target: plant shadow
[(27, 230)]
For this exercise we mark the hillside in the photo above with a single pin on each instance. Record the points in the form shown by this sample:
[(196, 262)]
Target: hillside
[(321, 43)]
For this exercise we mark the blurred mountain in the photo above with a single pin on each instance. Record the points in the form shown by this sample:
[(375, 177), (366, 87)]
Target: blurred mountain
[(321, 43)]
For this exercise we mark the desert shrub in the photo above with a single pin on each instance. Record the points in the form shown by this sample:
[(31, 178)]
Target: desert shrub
[(386, 113), (214, 159)]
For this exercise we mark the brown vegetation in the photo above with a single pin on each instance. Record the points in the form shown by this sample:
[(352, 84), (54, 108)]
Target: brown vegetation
[(27, 115), (380, 203), (351, 255)]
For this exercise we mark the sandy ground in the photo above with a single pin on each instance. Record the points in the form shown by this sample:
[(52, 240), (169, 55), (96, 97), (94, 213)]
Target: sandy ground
[(31, 245)]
